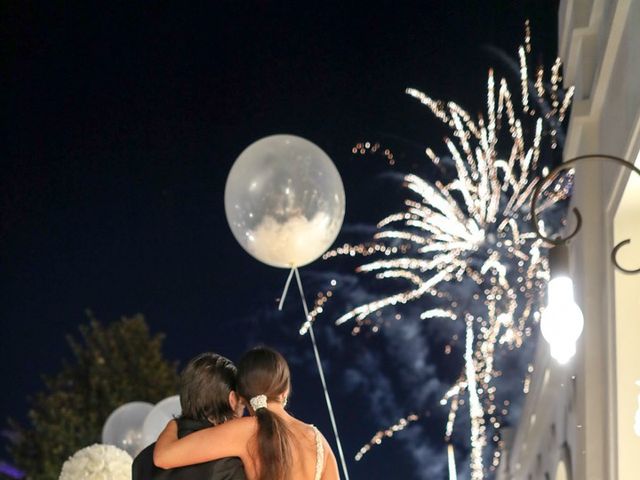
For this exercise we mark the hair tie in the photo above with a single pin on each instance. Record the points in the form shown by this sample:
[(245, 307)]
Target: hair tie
[(258, 402)]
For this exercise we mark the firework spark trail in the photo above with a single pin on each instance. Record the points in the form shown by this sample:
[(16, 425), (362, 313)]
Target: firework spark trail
[(476, 411), (475, 226), (453, 475), (388, 432)]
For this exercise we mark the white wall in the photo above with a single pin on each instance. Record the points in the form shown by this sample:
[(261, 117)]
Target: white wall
[(627, 297)]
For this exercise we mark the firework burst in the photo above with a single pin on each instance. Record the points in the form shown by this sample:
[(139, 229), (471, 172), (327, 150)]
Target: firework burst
[(471, 227)]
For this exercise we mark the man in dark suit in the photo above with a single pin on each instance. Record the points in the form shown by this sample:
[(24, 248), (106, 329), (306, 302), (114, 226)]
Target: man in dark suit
[(207, 397)]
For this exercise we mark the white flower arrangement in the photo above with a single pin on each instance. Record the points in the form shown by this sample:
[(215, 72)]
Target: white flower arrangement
[(98, 462)]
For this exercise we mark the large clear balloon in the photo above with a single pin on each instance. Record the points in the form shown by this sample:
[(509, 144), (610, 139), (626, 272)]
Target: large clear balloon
[(165, 410), (284, 201), (123, 428)]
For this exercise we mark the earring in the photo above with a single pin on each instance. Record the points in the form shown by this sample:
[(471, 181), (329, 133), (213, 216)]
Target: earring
[(284, 402)]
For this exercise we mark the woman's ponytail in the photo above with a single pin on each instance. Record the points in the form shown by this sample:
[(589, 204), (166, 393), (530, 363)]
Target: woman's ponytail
[(273, 446), (263, 375)]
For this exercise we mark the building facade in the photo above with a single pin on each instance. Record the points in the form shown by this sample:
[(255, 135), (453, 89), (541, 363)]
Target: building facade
[(581, 420)]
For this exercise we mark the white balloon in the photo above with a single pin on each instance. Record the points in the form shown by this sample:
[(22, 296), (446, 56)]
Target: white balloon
[(157, 419), (123, 428), (284, 201)]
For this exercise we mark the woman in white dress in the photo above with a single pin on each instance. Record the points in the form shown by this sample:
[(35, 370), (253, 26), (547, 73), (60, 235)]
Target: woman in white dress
[(272, 444)]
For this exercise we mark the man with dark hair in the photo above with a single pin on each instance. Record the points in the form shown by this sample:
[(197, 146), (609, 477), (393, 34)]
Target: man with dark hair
[(207, 397)]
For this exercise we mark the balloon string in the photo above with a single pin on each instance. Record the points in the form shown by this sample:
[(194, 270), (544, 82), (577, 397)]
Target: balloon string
[(286, 289), (321, 371)]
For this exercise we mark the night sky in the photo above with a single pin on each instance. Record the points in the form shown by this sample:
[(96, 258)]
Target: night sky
[(121, 124)]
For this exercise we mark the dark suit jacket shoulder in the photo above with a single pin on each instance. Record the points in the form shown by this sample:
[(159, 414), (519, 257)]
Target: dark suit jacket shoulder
[(223, 469)]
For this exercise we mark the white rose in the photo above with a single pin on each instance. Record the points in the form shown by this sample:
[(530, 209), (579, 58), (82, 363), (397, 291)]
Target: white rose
[(98, 462)]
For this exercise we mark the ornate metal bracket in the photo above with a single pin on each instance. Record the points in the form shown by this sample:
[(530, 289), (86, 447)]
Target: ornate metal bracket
[(562, 241)]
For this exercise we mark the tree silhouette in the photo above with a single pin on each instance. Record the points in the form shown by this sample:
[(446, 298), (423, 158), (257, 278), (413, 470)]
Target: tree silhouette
[(112, 365)]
